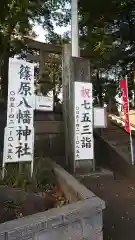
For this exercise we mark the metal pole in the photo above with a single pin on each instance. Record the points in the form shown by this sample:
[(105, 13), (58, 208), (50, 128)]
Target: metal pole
[(74, 28), (130, 133)]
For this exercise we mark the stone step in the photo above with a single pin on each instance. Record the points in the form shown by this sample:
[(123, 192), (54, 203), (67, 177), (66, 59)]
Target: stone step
[(118, 139), (100, 173)]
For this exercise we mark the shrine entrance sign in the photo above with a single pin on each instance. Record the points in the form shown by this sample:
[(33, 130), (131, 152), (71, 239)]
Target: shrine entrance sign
[(19, 130)]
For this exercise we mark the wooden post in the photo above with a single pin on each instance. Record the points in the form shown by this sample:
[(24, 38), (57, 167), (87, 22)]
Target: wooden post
[(74, 69)]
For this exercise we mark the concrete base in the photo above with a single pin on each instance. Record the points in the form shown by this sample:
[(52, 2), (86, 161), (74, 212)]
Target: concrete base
[(80, 219), (83, 167)]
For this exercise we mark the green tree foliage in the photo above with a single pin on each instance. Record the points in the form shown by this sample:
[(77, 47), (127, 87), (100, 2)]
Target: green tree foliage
[(107, 30), (17, 18), (51, 79)]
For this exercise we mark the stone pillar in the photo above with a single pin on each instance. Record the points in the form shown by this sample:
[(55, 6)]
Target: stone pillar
[(74, 69), (42, 59), (66, 76)]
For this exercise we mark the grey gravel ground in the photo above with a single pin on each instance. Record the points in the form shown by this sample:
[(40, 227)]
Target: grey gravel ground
[(119, 215)]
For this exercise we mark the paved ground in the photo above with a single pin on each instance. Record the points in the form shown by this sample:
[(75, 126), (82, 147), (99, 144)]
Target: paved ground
[(119, 215)]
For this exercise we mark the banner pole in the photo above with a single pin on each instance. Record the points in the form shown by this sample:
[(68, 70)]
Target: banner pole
[(131, 140), (74, 28)]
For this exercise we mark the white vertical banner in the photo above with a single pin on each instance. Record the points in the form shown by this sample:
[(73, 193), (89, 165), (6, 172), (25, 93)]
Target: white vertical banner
[(9, 145), (83, 112), (19, 132)]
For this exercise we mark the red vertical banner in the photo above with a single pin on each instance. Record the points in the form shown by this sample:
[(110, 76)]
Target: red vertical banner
[(125, 104)]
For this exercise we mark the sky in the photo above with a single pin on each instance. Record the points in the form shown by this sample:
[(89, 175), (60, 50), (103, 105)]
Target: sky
[(59, 30), (41, 32)]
